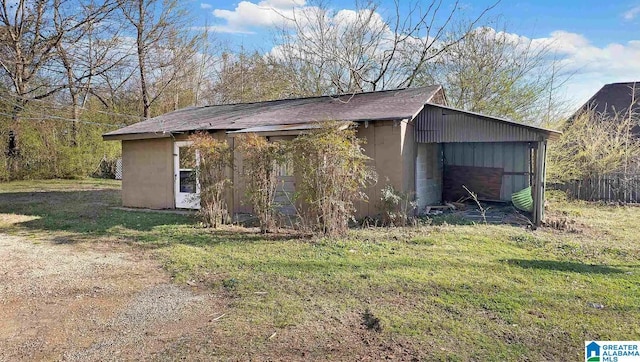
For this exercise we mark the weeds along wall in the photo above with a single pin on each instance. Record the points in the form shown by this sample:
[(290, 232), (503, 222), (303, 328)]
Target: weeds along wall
[(333, 174), (329, 173), (391, 151), (216, 158), (261, 160)]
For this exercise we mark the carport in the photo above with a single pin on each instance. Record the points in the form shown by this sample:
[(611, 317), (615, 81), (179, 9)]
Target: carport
[(493, 157)]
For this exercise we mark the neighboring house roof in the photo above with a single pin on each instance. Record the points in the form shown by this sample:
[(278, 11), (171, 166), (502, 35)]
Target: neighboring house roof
[(370, 106), (614, 98)]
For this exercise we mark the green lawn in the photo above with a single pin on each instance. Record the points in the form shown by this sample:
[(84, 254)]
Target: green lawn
[(447, 292)]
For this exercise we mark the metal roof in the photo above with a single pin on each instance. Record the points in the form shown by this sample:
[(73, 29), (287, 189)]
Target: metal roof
[(370, 106), (439, 123)]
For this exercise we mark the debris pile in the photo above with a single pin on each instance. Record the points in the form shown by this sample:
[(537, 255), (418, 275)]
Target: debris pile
[(486, 212)]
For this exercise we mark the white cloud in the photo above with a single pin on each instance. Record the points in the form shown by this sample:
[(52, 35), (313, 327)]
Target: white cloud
[(631, 13), (266, 13), (593, 66), (205, 6)]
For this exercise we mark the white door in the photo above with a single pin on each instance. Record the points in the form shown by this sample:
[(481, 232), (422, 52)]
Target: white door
[(187, 187)]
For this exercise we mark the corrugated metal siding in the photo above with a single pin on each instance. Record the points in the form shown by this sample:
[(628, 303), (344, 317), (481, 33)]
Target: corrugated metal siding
[(438, 125), (513, 157)]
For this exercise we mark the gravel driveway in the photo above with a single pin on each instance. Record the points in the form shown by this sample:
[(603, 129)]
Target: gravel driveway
[(90, 302)]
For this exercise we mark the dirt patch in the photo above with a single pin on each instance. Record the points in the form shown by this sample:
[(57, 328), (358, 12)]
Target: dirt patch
[(102, 301), (563, 222), (335, 339), (77, 302)]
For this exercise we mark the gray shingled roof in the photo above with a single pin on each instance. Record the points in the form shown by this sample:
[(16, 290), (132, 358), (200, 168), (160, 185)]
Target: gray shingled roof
[(614, 97), (381, 105)]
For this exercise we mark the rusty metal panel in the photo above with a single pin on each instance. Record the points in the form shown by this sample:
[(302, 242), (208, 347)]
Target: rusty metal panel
[(435, 124)]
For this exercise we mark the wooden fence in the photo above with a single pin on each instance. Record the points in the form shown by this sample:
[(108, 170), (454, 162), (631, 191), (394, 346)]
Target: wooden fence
[(617, 187)]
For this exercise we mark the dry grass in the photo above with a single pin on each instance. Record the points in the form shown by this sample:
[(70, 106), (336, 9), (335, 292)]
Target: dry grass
[(465, 292)]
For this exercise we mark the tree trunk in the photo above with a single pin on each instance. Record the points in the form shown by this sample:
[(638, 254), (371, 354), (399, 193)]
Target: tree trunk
[(13, 149), (146, 104), (74, 125), (146, 113)]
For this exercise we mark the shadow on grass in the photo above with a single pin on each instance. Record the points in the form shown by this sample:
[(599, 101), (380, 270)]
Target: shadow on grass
[(565, 266), (80, 211), (89, 214)]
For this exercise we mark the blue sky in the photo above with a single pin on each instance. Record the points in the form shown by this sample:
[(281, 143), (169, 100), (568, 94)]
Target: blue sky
[(597, 41), (602, 22)]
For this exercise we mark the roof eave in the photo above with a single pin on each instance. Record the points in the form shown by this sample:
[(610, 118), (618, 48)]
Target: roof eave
[(135, 136), (164, 134)]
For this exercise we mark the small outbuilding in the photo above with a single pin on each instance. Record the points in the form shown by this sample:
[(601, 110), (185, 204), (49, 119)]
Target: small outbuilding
[(417, 144)]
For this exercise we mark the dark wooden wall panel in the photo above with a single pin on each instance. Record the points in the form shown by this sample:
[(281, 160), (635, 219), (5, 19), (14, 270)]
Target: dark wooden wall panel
[(486, 182)]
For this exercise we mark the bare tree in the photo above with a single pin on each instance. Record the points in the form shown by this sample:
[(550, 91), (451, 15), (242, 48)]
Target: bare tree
[(30, 32), (500, 74), (360, 50), (86, 53), (250, 78), (206, 63), (162, 45)]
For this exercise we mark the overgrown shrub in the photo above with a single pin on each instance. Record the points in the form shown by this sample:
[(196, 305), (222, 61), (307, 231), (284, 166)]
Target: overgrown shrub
[(4, 167), (594, 144), (213, 169), (397, 207), (107, 169), (261, 160), (332, 173), (45, 150)]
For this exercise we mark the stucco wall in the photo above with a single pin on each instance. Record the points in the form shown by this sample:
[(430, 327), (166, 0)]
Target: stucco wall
[(147, 173), (409, 151), (390, 145)]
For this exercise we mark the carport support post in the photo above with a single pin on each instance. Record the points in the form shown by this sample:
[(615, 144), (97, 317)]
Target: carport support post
[(538, 194)]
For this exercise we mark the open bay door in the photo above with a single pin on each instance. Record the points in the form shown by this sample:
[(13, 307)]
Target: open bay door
[(187, 187)]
